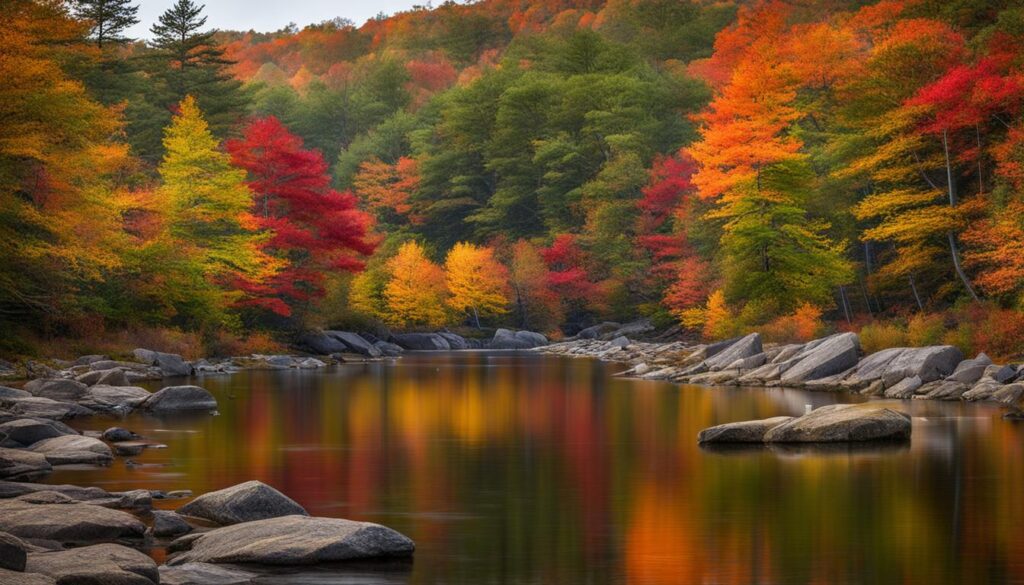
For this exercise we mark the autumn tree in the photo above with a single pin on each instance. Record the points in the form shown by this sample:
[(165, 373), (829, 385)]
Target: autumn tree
[(415, 291), (535, 305), (207, 207), (316, 230), (388, 188), (477, 283)]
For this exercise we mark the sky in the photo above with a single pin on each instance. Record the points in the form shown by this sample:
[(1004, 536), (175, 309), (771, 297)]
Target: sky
[(271, 15)]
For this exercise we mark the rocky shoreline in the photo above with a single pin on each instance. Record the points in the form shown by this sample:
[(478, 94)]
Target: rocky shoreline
[(834, 363)]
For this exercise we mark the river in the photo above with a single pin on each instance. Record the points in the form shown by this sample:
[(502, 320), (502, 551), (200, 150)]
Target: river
[(519, 468)]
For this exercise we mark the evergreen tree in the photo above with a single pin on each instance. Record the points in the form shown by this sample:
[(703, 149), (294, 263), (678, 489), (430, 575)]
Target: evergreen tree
[(109, 18)]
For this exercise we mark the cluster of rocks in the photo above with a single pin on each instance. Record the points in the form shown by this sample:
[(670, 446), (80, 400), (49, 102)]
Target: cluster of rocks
[(836, 423), (335, 343), (833, 363), (67, 534)]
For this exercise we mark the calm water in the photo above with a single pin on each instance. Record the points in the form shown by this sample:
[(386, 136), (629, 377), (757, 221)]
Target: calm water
[(521, 468)]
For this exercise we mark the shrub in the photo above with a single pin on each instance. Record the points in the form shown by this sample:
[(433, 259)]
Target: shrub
[(804, 324), (881, 335), (924, 329)]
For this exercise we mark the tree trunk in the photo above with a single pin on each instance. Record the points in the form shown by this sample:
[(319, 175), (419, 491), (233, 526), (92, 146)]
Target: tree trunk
[(917, 297), (846, 304), (476, 318), (953, 249)]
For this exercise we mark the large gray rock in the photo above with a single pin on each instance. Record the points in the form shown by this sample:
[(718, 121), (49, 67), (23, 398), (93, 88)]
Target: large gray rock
[(6, 392), (73, 449), (970, 371), (747, 346), (114, 377), (170, 364), (631, 329), (354, 343), (508, 339), (388, 349), (68, 523), (983, 390), (455, 341), (100, 564), (1009, 395), (833, 355), (105, 398), (321, 343), (905, 388), (13, 552), (26, 431), (1001, 374), (595, 331), (292, 540), (57, 389), (204, 574), (751, 431), (420, 341), (17, 464), (871, 368), (928, 363), (37, 407), (167, 523), (8, 577), (870, 421), (944, 390), (118, 435), (245, 502), (175, 399)]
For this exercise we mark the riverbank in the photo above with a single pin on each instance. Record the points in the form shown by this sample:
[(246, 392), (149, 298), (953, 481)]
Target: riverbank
[(834, 363)]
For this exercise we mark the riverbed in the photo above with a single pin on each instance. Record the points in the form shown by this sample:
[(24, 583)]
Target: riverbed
[(521, 468)]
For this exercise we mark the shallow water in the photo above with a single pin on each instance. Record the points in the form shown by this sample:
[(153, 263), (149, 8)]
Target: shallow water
[(519, 468)]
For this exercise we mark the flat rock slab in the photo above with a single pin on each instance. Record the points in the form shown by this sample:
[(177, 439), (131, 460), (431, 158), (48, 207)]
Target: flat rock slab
[(8, 577), (27, 431), (106, 564), (174, 399), (37, 407), (71, 449), (105, 398), (292, 540), (751, 431), (19, 464), (833, 355), (245, 502), (744, 347), (67, 523), (842, 423), (204, 574)]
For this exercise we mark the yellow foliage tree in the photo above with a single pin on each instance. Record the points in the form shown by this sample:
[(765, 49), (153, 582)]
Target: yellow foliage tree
[(477, 282), (415, 292)]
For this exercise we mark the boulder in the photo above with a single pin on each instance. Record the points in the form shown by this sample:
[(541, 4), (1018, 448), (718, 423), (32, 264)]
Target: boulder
[(532, 338), (57, 389), (751, 431), (983, 390), (26, 431), (457, 342), (72, 449), (905, 388), (89, 378), (354, 343), (36, 407), (67, 523), (114, 377), (970, 371), (744, 347), (45, 497), (118, 434), (204, 574), (245, 502), (943, 390), (85, 360), (388, 349), (631, 329), (167, 523), (13, 552), (832, 355), (321, 343), (1001, 374), (16, 464), (596, 331), (170, 364), (620, 342), (420, 341), (104, 365), (928, 363), (870, 421), (291, 540), (13, 393), (748, 363), (508, 339), (1008, 395), (175, 399), (105, 398), (99, 564), (871, 368)]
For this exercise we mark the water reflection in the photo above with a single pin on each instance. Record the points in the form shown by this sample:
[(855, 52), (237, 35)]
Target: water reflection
[(518, 468)]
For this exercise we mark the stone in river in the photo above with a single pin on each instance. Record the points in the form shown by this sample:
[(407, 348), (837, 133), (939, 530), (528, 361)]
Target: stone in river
[(252, 500), (455, 341), (57, 389), (67, 523), (970, 371), (905, 388), (70, 449), (100, 564), (25, 431), (8, 577), (167, 523), (927, 363), (104, 398), (174, 399), (751, 431), (37, 407), (420, 341), (7, 392), (833, 355), (204, 574), (870, 421), (355, 343), (291, 540), (13, 552), (118, 434), (745, 347), (16, 464)]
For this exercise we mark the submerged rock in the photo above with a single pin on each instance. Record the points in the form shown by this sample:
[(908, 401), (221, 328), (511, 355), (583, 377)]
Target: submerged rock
[(844, 422), (245, 502), (111, 564), (291, 540), (751, 431)]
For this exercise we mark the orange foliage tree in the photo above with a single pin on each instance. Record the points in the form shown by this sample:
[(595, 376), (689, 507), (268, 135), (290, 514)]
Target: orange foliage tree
[(477, 282), (415, 291)]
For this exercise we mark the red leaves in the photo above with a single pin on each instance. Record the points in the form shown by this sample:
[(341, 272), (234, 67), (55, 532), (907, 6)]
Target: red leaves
[(315, 228), (968, 95)]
